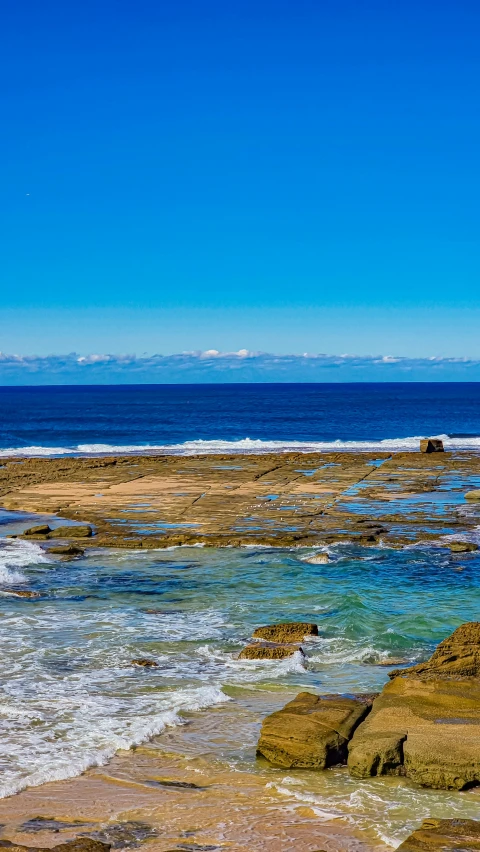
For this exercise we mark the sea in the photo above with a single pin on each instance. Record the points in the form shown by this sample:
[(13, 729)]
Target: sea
[(70, 698)]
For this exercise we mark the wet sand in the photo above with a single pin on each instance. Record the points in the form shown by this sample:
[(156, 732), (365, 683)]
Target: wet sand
[(135, 799)]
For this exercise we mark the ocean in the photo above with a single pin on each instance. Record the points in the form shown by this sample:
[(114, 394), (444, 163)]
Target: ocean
[(229, 418), (70, 696)]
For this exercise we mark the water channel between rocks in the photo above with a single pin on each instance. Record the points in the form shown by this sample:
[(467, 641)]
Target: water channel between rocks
[(71, 699)]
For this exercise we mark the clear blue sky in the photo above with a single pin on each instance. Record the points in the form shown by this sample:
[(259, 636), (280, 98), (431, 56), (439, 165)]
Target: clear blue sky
[(274, 175)]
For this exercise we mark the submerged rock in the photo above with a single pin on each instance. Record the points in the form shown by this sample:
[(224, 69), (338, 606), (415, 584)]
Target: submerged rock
[(444, 835), (431, 445), (458, 656), (288, 631), (146, 664), (80, 531), (317, 559), (269, 651), (41, 823), (463, 546), (311, 732), (66, 550), (79, 844), (123, 835), (40, 529), (23, 593)]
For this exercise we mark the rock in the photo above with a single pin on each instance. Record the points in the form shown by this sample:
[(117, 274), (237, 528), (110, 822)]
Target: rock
[(22, 593), (288, 631), (317, 559), (431, 445), (269, 651), (79, 844), (40, 529), (367, 539), (458, 656), (393, 661), (311, 732), (472, 495), (146, 664), (125, 835), (66, 550), (463, 546), (426, 730), (444, 835), (80, 531)]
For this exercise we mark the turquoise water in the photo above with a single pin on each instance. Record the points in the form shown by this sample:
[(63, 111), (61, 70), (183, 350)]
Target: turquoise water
[(70, 696)]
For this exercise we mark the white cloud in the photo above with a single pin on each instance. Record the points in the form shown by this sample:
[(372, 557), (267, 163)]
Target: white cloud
[(242, 365)]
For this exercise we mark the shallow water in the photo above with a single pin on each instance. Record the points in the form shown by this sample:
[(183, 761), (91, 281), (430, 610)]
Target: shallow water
[(71, 698)]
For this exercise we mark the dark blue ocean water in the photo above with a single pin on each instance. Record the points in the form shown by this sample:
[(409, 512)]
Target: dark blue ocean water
[(93, 418)]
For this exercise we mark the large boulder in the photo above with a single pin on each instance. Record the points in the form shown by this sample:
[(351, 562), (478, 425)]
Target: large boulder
[(288, 631), (427, 730), (457, 656), (39, 529), (431, 445), (444, 835), (311, 732)]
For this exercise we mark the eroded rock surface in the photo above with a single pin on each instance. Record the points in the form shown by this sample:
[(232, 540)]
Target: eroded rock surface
[(290, 631), (311, 732), (444, 835), (431, 445), (80, 844), (307, 499), (269, 651), (458, 656), (426, 730)]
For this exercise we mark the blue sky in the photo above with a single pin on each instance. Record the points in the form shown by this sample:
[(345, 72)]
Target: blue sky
[(276, 176)]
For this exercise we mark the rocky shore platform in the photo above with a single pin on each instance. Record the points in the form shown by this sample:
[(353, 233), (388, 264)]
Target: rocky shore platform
[(280, 500)]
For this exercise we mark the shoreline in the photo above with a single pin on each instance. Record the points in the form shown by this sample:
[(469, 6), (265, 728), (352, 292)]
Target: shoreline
[(388, 502)]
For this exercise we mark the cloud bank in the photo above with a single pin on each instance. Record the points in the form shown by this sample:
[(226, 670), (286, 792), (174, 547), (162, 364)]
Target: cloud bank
[(242, 366)]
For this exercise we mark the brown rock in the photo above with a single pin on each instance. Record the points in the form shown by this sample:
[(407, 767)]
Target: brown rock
[(431, 445), (444, 835), (23, 593), (268, 651), (472, 495), (146, 664), (288, 631), (311, 732), (458, 656), (66, 550), (80, 531), (428, 731), (40, 529), (463, 546), (79, 844), (317, 559)]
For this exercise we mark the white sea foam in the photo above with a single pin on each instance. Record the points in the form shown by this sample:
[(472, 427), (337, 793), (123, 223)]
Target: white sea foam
[(16, 555), (246, 445), (392, 809), (93, 729)]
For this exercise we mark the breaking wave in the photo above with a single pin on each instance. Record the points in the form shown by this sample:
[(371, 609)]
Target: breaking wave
[(246, 445)]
